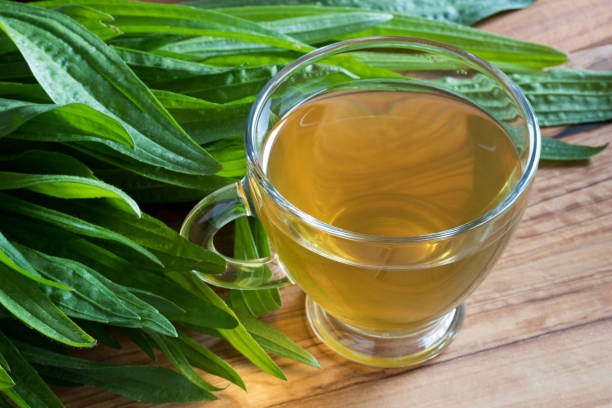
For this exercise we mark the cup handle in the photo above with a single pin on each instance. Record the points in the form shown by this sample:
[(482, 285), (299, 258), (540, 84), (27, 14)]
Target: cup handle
[(207, 218)]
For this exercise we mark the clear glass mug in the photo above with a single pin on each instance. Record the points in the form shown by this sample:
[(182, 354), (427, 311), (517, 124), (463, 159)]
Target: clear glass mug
[(378, 300)]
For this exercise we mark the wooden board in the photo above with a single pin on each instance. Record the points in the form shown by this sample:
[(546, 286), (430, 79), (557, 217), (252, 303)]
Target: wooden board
[(538, 331)]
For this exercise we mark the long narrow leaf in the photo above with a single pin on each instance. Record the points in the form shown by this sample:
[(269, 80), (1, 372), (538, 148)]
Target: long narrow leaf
[(567, 96), (23, 298), (208, 361), (73, 65), (44, 162), (14, 259), (324, 27), (142, 383), (135, 17), (173, 350), (62, 119), (274, 341), (6, 381), (459, 11), (69, 223), (65, 186), (154, 67), (30, 387), (238, 337)]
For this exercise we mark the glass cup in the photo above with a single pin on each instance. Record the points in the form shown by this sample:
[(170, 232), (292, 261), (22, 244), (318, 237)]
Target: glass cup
[(377, 300)]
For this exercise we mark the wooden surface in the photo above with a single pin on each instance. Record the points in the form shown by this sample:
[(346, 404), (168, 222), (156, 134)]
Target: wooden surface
[(538, 331)]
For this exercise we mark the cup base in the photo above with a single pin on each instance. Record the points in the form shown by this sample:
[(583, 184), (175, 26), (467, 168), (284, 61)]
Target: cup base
[(409, 349)]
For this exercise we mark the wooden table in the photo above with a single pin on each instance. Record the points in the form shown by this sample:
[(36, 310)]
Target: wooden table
[(538, 331)]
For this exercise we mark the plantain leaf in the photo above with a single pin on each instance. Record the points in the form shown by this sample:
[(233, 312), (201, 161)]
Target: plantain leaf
[(568, 96), (251, 242), (459, 11), (100, 333), (203, 183), (324, 27), (134, 17), (99, 23), (208, 361), (155, 67), (489, 46), (49, 118), (207, 121), (196, 310), (65, 186), (146, 190), (220, 88), (172, 348), (26, 92), (46, 120), (553, 149), (149, 384), (23, 298), (14, 259), (30, 390), (6, 381), (275, 342), (44, 162), (73, 65), (69, 223), (238, 337)]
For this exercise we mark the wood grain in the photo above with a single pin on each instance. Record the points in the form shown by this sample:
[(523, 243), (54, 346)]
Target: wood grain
[(538, 330)]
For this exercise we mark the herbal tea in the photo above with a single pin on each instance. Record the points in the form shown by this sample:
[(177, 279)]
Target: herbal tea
[(389, 164)]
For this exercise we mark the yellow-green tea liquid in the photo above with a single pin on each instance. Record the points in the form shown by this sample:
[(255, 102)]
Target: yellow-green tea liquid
[(388, 164)]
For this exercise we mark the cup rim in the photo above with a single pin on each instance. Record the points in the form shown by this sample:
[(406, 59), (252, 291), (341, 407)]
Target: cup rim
[(265, 94)]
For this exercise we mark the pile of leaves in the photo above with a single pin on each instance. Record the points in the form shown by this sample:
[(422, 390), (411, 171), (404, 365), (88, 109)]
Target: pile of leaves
[(108, 104)]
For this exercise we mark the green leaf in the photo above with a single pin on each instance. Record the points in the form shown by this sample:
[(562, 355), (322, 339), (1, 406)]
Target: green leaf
[(414, 62), (23, 298), (83, 281), (206, 121), (238, 337), (324, 27), (11, 257), (206, 46), (202, 183), (276, 342), (172, 348), (251, 242), (155, 67), (567, 96), (196, 310), (44, 162), (69, 223), (309, 29), (160, 303), (6, 381), (47, 120), (208, 361), (73, 65), (27, 92), (553, 149), (99, 23), (134, 17), (149, 384), (64, 186), (100, 333), (220, 88), (4, 363), (459, 11), (30, 389), (491, 47), (146, 190)]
